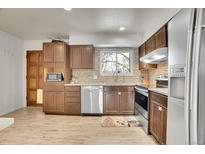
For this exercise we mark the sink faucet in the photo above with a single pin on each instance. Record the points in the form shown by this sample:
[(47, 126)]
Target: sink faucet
[(115, 75)]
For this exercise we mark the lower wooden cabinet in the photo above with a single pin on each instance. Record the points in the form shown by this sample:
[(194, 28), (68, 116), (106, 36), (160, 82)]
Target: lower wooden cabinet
[(119, 100), (111, 102), (126, 103), (72, 100), (158, 116), (53, 102)]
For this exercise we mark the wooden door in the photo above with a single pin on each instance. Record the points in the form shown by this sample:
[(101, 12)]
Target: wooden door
[(59, 101), (48, 52), (87, 61), (76, 53), (126, 102), (59, 51), (161, 38), (111, 102), (34, 76), (48, 102), (164, 125)]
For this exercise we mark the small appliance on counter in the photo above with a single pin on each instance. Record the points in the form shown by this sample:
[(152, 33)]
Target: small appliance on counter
[(55, 77), (162, 81)]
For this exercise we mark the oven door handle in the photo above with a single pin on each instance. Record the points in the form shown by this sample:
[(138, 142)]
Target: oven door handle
[(142, 92)]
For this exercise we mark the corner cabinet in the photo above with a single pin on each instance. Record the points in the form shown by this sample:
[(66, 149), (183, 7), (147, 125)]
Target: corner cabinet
[(82, 56), (119, 100), (158, 116)]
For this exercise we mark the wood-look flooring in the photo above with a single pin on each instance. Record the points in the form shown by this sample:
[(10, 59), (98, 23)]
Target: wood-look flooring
[(32, 126)]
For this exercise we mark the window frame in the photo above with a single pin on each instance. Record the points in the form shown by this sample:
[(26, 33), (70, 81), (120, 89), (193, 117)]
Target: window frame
[(117, 50)]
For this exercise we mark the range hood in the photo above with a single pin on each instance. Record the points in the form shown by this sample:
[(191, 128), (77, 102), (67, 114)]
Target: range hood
[(155, 56)]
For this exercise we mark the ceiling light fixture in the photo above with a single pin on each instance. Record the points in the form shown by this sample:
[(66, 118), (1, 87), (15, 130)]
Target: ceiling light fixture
[(122, 28), (68, 9)]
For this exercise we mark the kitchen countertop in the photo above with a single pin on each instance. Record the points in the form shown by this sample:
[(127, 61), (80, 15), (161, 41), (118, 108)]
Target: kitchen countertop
[(101, 84), (163, 91)]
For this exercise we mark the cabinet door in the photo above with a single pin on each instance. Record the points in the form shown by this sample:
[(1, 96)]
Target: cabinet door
[(141, 54), (150, 45), (87, 57), (155, 121), (164, 125), (111, 102), (126, 102), (76, 57), (59, 101), (48, 101), (161, 38), (59, 50), (48, 52)]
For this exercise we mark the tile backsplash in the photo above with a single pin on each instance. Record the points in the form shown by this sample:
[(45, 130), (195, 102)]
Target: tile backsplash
[(139, 76), (93, 75)]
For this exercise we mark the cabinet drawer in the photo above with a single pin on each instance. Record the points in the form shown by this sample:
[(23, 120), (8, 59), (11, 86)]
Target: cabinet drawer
[(72, 99), (53, 88), (72, 94), (72, 108), (126, 89), (158, 98), (111, 88), (119, 88), (72, 88)]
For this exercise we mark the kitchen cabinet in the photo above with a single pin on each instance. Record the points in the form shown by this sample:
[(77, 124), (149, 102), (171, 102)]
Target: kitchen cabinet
[(144, 66), (53, 102), (161, 38), (118, 100), (56, 60), (72, 100), (111, 102), (54, 52), (82, 56), (150, 45), (158, 116)]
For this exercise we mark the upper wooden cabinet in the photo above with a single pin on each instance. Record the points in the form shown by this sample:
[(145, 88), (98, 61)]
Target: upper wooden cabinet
[(82, 56), (143, 66), (54, 52), (150, 45), (161, 38), (158, 40), (48, 52)]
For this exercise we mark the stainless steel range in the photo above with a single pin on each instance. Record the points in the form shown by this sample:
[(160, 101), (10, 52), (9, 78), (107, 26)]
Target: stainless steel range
[(142, 105)]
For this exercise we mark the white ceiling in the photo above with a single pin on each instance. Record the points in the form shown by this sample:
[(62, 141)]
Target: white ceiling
[(45, 23)]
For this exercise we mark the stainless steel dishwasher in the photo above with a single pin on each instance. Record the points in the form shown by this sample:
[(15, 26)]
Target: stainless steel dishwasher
[(91, 99)]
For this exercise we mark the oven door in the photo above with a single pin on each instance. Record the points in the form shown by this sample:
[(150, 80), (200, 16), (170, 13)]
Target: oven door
[(142, 103)]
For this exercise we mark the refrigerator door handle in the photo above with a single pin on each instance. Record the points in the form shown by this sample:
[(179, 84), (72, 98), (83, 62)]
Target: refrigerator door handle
[(199, 28), (188, 76)]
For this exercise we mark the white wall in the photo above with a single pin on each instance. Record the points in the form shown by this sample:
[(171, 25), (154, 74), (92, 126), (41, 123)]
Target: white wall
[(11, 76)]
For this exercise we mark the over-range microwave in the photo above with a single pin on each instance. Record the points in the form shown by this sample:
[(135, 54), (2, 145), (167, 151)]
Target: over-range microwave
[(55, 76)]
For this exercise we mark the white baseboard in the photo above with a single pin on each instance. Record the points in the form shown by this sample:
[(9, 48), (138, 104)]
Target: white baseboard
[(6, 122)]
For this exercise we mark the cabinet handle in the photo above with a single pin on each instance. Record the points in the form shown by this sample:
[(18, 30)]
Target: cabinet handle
[(159, 108), (119, 93)]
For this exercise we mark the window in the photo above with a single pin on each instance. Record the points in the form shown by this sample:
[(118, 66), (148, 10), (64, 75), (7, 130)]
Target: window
[(116, 61)]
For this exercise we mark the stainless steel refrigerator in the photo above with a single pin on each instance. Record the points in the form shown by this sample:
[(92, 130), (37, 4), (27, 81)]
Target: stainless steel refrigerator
[(186, 100)]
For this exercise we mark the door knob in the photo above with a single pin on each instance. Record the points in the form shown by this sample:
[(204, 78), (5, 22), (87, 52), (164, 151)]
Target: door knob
[(119, 93), (159, 108)]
